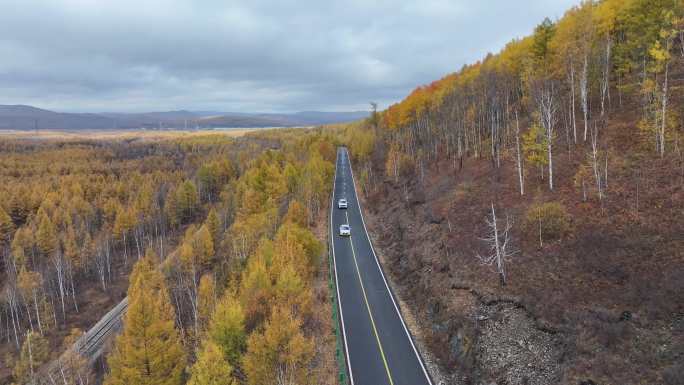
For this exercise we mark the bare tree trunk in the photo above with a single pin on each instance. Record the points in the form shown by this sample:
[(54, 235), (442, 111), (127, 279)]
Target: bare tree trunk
[(549, 151), (35, 304), (518, 156), (137, 236), (8, 334), (28, 341), (12, 298), (28, 313), (100, 266), (583, 94), (497, 248), (498, 241), (638, 182), (547, 109), (572, 101), (619, 89), (70, 276), (605, 178), (605, 78), (125, 249), (108, 259), (193, 293), (539, 221), (663, 122), (54, 312), (58, 261), (594, 161)]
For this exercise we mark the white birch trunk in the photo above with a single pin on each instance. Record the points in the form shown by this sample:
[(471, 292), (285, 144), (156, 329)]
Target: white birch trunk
[(663, 118), (583, 94), (518, 155)]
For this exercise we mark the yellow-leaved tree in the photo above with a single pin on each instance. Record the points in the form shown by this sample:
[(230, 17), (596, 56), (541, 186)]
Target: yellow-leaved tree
[(298, 246), (46, 236), (297, 213), (280, 354), (255, 292), (227, 328), (149, 350), (206, 300), (213, 224), (534, 147), (34, 352), (211, 367), (6, 227), (292, 292)]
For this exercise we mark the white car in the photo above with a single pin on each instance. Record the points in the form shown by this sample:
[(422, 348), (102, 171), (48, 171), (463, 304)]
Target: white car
[(345, 230), (342, 204)]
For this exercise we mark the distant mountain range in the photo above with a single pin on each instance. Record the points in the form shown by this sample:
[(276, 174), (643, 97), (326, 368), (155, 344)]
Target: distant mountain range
[(21, 117)]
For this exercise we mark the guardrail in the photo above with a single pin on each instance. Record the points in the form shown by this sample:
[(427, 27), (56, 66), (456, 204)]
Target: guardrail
[(91, 344)]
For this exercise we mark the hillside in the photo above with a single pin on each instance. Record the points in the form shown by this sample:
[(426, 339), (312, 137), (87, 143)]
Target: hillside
[(20, 117), (580, 282)]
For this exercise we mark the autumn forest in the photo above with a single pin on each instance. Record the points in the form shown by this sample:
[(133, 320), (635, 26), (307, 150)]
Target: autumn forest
[(218, 235)]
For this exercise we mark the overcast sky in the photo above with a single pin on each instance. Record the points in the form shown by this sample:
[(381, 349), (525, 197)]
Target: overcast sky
[(247, 56)]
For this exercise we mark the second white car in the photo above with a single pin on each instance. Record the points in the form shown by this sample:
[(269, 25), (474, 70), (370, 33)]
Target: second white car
[(342, 204), (345, 231)]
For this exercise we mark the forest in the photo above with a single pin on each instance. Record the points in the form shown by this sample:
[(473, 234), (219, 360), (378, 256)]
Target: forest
[(215, 241), (536, 197)]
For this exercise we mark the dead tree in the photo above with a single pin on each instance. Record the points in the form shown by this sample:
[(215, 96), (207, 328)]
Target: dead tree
[(500, 249)]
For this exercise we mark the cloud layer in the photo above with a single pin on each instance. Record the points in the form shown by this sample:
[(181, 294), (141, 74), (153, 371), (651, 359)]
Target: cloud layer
[(278, 55)]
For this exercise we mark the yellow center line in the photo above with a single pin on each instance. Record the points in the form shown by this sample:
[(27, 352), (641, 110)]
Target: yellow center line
[(370, 313)]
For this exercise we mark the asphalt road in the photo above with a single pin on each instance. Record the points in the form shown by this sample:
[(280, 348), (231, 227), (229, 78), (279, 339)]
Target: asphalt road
[(378, 347)]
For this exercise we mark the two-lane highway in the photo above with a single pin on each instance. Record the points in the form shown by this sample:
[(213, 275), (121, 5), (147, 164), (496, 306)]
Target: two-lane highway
[(378, 346)]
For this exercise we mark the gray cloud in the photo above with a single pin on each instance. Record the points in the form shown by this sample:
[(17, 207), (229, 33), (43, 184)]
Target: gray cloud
[(278, 55)]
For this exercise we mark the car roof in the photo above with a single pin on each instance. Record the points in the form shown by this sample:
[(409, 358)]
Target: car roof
[(344, 226)]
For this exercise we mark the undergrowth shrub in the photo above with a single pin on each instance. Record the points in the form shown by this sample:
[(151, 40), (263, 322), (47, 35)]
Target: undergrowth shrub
[(551, 219)]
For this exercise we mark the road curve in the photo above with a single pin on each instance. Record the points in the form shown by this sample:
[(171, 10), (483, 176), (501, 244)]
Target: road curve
[(379, 348)]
